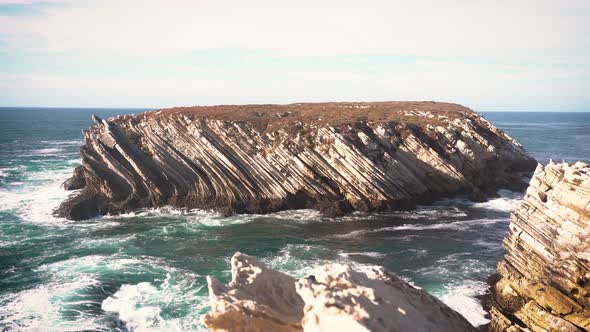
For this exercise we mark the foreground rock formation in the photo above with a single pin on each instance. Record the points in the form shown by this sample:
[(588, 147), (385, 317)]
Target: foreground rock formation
[(335, 298), (544, 280), (335, 157)]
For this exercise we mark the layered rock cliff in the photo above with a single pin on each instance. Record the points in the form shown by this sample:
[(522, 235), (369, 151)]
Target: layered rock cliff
[(336, 157), (335, 298), (544, 280)]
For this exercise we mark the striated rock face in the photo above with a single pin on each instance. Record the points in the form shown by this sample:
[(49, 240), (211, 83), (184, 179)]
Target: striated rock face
[(335, 298), (544, 280), (336, 157)]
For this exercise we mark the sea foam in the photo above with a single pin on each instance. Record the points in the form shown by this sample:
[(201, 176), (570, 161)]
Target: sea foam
[(463, 299)]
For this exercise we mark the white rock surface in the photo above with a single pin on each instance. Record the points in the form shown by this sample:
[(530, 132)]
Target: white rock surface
[(335, 298), (257, 299)]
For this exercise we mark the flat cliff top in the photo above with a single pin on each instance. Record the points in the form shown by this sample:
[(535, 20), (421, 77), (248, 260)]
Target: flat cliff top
[(331, 113)]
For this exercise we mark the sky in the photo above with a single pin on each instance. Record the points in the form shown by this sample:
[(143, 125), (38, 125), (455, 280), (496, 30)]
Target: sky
[(501, 55)]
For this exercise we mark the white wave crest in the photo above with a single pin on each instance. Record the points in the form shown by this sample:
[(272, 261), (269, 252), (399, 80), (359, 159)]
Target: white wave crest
[(71, 286), (190, 217), (459, 264), (40, 308), (300, 260), (431, 213), (507, 202), (164, 211), (64, 142), (462, 225), (47, 151), (35, 201), (463, 299), (125, 303), (141, 306), (371, 254), (5, 171), (417, 252), (300, 215)]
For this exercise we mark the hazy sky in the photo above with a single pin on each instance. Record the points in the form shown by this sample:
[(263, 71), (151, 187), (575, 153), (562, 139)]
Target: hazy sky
[(489, 55)]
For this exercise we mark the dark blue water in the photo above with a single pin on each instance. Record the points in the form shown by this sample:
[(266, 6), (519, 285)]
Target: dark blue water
[(557, 136), (147, 269)]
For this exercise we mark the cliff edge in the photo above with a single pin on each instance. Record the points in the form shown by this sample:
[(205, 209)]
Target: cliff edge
[(334, 298), (544, 280), (335, 157)]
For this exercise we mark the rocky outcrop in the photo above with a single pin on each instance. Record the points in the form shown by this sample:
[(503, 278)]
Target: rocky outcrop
[(336, 157), (77, 181), (257, 299), (544, 280), (335, 298)]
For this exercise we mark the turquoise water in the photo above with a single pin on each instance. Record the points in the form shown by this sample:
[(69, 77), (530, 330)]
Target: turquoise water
[(146, 271)]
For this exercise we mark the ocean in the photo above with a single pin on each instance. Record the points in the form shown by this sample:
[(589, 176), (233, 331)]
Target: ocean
[(146, 271)]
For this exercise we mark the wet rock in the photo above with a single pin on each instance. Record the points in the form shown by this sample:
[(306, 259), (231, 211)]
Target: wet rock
[(79, 207), (337, 157), (77, 180), (544, 275), (335, 298)]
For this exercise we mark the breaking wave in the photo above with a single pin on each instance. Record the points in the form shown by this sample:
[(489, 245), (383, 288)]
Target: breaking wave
[(463, 298), (159, 306), (75, 289), (462, 226), (507, 201), (35, 201)]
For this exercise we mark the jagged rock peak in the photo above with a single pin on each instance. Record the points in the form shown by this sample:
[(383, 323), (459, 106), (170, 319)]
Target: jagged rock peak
[(96, 119), (335, 298), (544, 280), (257, 299), (335, 157)]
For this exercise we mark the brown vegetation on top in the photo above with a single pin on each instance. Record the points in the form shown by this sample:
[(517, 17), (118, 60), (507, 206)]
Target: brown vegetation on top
[(333, 113)]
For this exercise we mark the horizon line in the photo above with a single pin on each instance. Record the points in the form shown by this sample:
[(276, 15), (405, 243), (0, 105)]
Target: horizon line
[(158, 108)]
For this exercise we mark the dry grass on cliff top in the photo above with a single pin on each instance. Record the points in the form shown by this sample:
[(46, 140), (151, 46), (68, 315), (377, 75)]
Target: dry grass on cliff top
[(325, 113)]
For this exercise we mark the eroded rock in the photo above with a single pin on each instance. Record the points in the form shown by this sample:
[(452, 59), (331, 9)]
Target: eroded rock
[(544, 284), (77, 181), (335, 298), (340, 299), (257, 299), (336, 157)]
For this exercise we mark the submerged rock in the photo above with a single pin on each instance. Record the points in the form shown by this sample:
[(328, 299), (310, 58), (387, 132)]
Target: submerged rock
[(334, 157), (544, 280), (335, 298)]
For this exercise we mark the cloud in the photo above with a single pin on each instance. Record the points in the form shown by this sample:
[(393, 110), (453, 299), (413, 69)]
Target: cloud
[(474, 85), (424, 27), (30, 2), (490, 54)]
